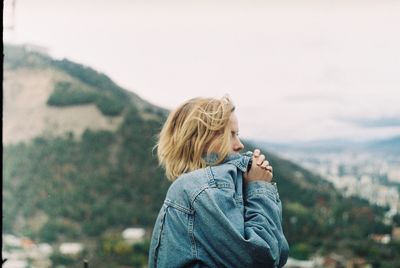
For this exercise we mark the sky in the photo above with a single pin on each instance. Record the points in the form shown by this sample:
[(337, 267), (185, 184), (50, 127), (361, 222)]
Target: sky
[(296, 70)]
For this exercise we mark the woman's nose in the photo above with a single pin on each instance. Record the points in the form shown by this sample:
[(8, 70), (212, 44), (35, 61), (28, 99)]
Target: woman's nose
[(238, 145)]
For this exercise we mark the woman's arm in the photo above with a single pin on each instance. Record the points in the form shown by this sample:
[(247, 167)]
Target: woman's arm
[(233, 240), (270, 209)]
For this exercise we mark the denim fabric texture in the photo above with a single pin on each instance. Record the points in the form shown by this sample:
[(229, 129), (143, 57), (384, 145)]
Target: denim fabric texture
[(210, 218)]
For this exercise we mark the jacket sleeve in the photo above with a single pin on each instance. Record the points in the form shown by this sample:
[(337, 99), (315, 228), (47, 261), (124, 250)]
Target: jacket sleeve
[(252, 238)]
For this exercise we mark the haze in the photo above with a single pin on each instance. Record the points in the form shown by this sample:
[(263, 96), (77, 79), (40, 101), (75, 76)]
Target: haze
[(296, 70)]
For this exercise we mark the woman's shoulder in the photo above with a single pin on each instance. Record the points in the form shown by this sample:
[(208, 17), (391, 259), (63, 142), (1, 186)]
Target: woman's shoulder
[(185, 188)]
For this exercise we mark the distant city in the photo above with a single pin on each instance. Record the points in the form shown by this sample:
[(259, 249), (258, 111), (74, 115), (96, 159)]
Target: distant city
[(371, 172)]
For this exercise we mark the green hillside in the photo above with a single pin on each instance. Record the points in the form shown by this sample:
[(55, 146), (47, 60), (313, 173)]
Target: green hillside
[(90, 189)]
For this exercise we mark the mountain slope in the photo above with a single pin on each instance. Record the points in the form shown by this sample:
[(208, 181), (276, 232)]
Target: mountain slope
[(34, 84), (82, 185)]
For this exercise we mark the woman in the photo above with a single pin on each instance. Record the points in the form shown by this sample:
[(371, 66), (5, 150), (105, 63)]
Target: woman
[(221, 209)]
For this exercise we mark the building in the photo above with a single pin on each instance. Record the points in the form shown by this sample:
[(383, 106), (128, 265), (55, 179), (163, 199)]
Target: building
[(133, 235), (71, 248), (396, 234)]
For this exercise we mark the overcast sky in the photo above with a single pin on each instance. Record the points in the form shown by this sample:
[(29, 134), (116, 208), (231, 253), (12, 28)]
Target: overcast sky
[(296, 70)]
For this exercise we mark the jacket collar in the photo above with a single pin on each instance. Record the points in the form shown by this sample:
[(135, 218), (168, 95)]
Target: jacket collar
[(241, 161)]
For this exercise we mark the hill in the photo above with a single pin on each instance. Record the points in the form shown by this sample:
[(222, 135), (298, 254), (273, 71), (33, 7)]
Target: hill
[(391, 145), (388, 145), (70, 178), (43, 96)]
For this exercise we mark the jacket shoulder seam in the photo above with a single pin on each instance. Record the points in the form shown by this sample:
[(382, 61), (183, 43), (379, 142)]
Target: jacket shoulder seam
[(178, 206)]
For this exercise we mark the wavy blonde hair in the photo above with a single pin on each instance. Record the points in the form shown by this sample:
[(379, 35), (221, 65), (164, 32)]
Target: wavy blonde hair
[(197, 127)]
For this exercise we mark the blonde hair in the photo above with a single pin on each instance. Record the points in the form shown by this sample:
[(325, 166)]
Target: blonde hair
[(198, 126)]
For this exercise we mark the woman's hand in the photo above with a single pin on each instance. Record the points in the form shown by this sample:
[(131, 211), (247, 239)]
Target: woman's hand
[(260, 169)]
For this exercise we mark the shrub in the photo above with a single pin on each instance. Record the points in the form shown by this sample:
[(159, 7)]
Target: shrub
[(65, 94), (110, 106)]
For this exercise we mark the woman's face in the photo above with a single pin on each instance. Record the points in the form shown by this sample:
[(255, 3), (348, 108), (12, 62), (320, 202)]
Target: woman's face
[(237, 145)]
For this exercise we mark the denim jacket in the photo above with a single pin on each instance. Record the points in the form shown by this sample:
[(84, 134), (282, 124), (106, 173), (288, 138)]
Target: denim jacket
[(210, 218)]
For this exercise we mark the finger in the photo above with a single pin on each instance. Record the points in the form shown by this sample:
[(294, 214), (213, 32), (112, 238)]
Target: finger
[(256, 153), (260, 159), (264, 164), (269, 168)]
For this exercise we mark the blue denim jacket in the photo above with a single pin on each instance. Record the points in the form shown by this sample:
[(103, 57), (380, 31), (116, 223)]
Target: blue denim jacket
[(210, 218)]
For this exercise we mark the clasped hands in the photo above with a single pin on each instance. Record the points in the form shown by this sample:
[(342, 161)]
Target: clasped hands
[(260, 169)]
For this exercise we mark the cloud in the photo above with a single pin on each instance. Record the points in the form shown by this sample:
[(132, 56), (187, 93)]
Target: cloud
[(380, 122), (312, 96)]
